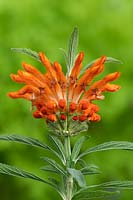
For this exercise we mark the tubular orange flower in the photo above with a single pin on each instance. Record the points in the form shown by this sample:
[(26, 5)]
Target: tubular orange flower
[(65, 101), (54, 94)]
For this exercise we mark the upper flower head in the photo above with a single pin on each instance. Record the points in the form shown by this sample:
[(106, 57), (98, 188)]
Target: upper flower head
[(66, 100), (57, 97)]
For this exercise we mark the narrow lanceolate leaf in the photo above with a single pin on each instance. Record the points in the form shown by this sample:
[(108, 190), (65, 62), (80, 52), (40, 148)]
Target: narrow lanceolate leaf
[(28, 141), (108, 60), (28, 52), (72, 47), (113, 145), (77, 148), (90, 170), (118, 185), (13, 171), (59, 148), (49, 168), (113, 60), (82, 163), (78, 176), (55, 165), (24, 140), (88, 194), (66, 58)]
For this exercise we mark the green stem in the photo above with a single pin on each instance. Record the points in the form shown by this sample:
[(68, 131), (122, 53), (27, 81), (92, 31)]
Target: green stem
[(69, 187), (67, 147), (69, 179)]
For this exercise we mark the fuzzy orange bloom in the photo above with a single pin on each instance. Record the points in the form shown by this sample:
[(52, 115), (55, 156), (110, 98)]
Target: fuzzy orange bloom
[(56, 96)]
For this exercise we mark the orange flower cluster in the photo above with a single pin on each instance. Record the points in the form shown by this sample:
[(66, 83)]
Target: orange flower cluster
[(57, 97)]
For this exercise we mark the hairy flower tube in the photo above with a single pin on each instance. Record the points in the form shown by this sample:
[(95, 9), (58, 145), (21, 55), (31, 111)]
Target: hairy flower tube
[(58, 98)]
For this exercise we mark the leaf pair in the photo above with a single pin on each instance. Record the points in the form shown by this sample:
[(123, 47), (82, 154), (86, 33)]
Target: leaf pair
[(13, 171), (113, 145)]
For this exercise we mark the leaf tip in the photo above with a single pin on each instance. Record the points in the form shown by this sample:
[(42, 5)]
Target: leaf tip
[(114, 60)]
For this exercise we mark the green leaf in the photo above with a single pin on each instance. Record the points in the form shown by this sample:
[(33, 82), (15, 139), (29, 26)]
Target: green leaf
[(113, 60), (82, 163), (28, 52), (89, 194), (118, 185), (24, 140), (72, 47), (55, 165), (121, 185), (77, 148), (59, 148), (78, 176), (113, 145), (108, 60), (90, 170), (66, 58), (13, 171), (29, 141), (49, 168)]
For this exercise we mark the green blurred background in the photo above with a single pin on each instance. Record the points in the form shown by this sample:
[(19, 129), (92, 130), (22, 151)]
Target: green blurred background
[(106, 28)]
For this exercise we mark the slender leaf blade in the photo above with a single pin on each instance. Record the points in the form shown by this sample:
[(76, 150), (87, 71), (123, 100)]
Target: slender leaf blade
[(59, 147), (108, 60), (87, 194), (24, 140), (78, 176), (72, 47), (118, 184), (113, 60), (54, 164), (49, 168), (28, 52), (82, 163), (77, 148), (29, 141), (113, 145), (13, 171), (66, 58), (90, 170)]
